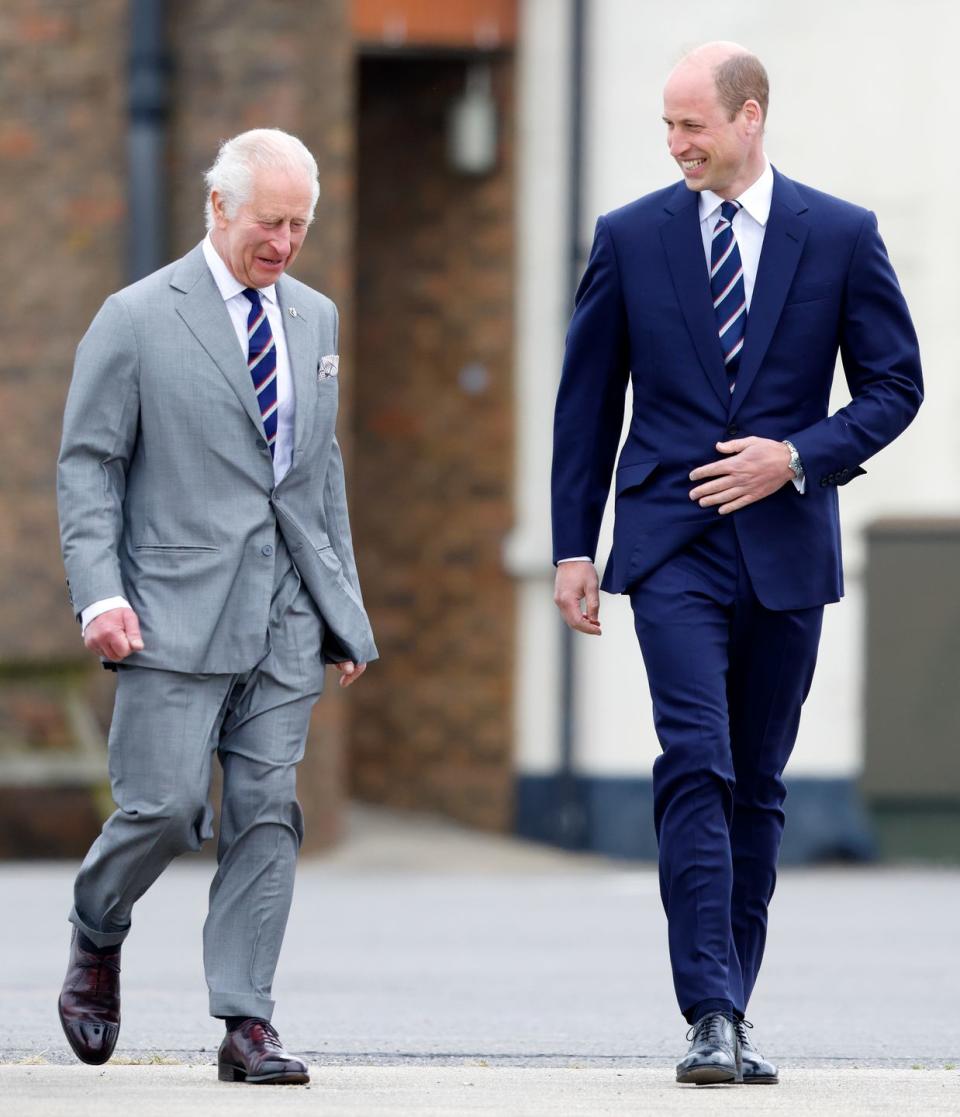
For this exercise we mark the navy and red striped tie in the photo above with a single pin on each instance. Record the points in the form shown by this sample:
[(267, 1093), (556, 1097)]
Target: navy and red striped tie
[(262, 362), (729, 293)]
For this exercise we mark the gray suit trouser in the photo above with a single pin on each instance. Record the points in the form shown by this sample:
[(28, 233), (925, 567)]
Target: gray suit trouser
[(166, 728)]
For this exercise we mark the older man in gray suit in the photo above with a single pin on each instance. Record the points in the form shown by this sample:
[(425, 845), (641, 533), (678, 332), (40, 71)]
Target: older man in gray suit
[(209, 559)]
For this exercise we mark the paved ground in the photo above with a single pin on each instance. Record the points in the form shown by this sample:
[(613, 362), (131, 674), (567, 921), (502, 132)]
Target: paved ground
[(432, 971), (470, 1091)]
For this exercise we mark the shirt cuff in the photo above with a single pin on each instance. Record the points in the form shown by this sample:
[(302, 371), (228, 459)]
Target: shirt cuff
[(577, 558), (93, 611)]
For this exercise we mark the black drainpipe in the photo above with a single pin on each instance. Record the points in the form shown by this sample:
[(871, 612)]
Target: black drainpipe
[(570, 820), (146, 137)]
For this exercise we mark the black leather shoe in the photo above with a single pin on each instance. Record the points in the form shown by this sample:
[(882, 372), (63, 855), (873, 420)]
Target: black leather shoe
[(757, 1071), (253, 1053), (714, 1054), (89, 1003)]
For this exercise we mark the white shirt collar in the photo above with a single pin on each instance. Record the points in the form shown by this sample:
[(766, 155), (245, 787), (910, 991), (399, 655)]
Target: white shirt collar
[(756, 199), (227, 283)]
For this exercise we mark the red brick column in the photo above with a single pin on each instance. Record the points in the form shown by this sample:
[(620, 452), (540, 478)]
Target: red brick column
[(286, 64)]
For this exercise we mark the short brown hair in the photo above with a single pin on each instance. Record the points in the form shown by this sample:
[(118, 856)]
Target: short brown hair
[(740, 79)]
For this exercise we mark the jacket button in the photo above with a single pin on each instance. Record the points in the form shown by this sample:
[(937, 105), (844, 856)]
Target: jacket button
[(733, 430), (266, 550), (261, 445), (845, 476), (823, 482)]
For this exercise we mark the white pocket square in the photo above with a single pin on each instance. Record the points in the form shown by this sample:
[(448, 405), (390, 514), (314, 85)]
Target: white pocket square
[(329, 366)]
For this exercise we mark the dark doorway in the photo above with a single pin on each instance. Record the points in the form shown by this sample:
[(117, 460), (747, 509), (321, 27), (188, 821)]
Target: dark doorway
[(432, 454)]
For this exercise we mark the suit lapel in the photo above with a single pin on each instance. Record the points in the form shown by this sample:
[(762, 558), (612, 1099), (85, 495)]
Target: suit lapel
[(302, 351), (203, 310), (683, 244), (783, 243)]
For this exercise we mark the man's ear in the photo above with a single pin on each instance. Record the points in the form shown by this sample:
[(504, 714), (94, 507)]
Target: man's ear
[(216, 203), (753, 115)]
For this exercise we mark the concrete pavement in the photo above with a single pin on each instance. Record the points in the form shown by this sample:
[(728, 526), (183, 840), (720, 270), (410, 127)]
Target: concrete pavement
[(421, 957), (393, 1091)]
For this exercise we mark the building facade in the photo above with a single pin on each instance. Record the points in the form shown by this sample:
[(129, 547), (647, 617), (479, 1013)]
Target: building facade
[(465, 151), (837, 101)]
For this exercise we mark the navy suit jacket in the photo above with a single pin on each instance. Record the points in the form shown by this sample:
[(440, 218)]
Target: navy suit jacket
[(644, 312)]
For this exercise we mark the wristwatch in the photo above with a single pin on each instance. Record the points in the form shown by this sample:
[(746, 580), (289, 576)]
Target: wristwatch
[(795, 464)]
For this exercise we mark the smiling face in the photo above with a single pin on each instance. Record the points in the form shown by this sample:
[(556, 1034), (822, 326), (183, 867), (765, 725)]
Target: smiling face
[(261, 240), (712, 151)]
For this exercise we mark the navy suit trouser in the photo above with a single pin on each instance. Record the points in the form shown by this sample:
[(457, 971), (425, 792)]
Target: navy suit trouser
[(728, 678)]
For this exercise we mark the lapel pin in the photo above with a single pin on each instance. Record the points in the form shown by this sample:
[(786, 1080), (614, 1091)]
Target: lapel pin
[(293, 312)]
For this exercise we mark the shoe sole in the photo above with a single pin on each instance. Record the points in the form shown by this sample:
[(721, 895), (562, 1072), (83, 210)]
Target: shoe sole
[(761, 1080), (228, 1073), (707, 1076)]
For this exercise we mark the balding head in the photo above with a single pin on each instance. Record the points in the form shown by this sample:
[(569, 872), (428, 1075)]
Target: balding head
[(738, 75), (715, 104)]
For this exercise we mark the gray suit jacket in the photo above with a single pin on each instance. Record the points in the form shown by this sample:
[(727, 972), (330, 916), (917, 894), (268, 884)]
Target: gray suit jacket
[(165, 483)]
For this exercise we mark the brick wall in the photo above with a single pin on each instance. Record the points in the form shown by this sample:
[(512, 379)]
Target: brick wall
[(287, 64), (62, 213), (63, 75), (429, 466), (62, 208), (433, 458)]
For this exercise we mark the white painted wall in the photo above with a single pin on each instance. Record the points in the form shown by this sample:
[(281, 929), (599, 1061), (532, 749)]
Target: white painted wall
[(862, 102), (542, 310)]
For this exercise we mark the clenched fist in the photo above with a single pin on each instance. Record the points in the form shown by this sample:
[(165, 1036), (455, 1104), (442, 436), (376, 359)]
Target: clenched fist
[(114, 634)]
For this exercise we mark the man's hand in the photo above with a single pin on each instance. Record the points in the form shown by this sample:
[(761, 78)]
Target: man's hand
[(350, 671), (114, 634), (576, 582), (755, 468)]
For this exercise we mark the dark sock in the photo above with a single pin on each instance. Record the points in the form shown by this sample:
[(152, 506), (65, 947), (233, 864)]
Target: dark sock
[(706, 1008), (91, 947), (234, 1022)]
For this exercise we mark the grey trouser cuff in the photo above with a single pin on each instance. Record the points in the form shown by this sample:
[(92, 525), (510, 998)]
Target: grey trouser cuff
[(240, 1004), (98, 938)]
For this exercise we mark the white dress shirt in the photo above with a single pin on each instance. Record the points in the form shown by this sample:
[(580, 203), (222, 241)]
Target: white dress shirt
[(749, 226), (238, 307)]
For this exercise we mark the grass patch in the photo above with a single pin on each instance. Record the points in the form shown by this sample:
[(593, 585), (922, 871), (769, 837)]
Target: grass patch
[(148, 1061)]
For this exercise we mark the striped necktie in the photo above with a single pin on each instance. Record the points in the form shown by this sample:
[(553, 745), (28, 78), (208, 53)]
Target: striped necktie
[(262, 362), (729, 294)]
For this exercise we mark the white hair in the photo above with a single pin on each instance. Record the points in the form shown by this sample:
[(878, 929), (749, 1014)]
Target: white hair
[(239, 159)]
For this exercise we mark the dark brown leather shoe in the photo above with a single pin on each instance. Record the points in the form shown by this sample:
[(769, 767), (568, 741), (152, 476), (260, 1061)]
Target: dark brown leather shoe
[(253, 1053), (90, 1002)]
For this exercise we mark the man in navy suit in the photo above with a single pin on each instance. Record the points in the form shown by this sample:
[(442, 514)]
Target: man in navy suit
[(725, 300)]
